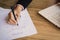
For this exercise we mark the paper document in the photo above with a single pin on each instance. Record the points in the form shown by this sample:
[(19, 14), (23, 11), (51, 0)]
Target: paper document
[(52, 13), (25, 27)]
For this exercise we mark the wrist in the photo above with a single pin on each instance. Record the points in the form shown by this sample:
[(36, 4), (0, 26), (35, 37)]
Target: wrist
[(18, 8)]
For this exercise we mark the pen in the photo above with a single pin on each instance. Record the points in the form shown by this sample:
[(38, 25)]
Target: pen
[(12, 8)]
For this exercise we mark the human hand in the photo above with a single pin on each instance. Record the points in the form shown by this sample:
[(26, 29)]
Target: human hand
[(11, 19)]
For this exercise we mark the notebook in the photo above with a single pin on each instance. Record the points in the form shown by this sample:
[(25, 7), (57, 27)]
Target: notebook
[(52, 13), (10, 32)]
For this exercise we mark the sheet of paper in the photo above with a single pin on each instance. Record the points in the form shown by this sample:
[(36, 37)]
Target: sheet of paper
[(25, 28), (52, 13)]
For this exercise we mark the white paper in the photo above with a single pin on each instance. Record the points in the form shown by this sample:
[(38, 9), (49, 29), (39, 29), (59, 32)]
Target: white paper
[(52, 14), (25, 28)]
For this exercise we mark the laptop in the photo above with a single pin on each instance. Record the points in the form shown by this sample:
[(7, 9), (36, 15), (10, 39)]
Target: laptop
[(52, 14)]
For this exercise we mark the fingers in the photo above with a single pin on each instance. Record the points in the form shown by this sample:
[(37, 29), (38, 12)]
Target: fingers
[(11, 19), (17, 13)]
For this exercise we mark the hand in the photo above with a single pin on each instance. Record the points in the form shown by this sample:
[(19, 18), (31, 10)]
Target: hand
[(11, 19), (17, 11)]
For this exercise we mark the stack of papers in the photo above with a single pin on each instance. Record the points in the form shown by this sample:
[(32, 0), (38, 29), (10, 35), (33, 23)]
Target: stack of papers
[(9, 32)]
